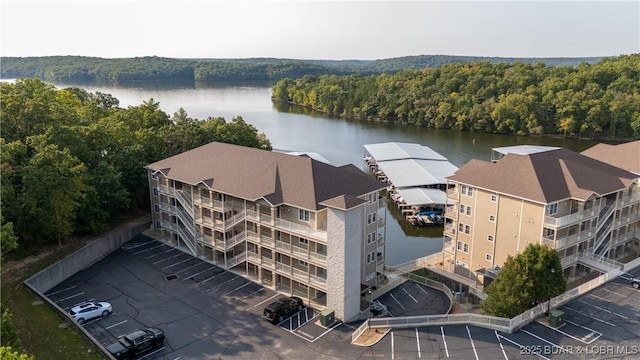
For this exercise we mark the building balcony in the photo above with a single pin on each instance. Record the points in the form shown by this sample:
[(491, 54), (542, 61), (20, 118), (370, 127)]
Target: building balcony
[(236, 260), (450, 230), (570, 240), (283, 268), (318, 281), (449, 247), (562, 221), (628, 200), (300, 229)]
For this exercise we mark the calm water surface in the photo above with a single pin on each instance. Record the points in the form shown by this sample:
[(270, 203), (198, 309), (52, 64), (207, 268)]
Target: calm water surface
[(340, 141)]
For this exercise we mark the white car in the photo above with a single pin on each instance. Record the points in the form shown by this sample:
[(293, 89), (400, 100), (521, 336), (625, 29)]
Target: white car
[(89, 310)]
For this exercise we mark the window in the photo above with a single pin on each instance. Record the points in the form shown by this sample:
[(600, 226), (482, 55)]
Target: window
[(371, 218), (156, 207), (467, 229), (488, 257), (155, 191), (552, 209), (494, 198), (371, 257), (303, 241), (492, 218), (303, 215), (158, 225), (470, 192), (465, 248), (549, 233), (489, 237), (303, 263), (460, 227), (468, 210), (463, 189), (371, 237), (371, 198), (459, 245), (154, 176), (461, 208)]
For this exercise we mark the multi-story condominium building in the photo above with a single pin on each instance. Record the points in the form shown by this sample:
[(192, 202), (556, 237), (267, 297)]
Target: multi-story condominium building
[(291, 223), (586, 209)]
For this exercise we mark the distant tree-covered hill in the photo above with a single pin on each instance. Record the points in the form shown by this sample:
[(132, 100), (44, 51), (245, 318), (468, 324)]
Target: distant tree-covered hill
[(152, 68), (589, 100)]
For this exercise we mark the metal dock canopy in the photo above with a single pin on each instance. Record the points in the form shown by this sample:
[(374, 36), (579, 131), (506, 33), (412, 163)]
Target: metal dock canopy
[(398, 151)]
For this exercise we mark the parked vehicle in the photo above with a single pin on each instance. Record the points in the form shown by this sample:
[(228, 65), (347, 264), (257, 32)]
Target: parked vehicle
[(634, 280), (136, 343), (280, 309), (89, 310)]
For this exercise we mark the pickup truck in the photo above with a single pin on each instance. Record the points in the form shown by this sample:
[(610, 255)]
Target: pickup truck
[(136, 343)]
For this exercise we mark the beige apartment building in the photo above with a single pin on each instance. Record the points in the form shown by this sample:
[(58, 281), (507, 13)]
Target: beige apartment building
[(291, 223), (585, 208)]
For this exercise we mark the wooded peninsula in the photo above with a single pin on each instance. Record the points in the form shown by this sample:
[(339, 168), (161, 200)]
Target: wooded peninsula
[(598, 100)]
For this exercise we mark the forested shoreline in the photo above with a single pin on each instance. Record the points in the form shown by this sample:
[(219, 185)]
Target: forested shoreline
[(74, 69), (73, 161), (598, 100)]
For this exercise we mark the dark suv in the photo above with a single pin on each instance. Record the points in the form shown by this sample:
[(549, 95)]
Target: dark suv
[(278, 310)]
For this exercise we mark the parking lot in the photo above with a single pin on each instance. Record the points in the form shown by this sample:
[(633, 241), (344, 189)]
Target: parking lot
[(603, 324), (210, 313), (206, 312)]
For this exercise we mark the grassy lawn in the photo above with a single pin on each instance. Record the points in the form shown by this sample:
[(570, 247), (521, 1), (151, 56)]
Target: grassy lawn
[(42, 331)]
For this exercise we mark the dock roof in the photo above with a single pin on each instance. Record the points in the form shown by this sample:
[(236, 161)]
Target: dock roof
[(399, 151), (417, 172), (421, 196)]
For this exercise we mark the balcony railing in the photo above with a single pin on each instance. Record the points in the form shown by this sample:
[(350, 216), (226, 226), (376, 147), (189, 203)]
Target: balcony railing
[(318, 256), (301, 275), (236, 260), (557, 222), (450, 230), (284, 268), (235, 240), (449, 247), (283, 246), (305, 230), (627, 200), (570, 240), (235, 219)]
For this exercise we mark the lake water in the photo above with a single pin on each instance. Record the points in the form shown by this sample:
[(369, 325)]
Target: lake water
[(340, 141)]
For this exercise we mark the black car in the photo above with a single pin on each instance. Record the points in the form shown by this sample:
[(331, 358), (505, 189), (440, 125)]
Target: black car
[(136, 343), (278, 310)]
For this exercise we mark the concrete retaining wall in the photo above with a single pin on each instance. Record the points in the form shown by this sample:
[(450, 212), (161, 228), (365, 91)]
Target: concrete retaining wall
[(93, 252)]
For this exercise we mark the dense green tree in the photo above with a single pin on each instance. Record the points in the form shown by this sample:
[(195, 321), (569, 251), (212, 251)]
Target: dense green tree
[(589, 100), (73, 162), (525, 281), (8, 332), (7, 353)]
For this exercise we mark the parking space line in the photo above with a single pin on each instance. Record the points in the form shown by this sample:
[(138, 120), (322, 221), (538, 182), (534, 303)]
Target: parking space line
[(472, 344), (178, 263), (412, 298), (190, 267), (418, 342), (501, 347), (114, 325), (262, 302), (59, 291), (145, 250), (394, 298), (72, 296), (253, 293), (522, 347), (238, 288), (609, 291), (132, 246), (196, 274), (329, 329), (564, 351), (446, 349), (211, 277), (154, 352), (603, 309), (585, 337), (160, 253), (422, 289), (169, 258), (589, 316), (222, 283)]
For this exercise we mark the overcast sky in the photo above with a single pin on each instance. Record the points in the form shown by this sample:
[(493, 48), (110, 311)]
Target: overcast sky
[(319, 30)]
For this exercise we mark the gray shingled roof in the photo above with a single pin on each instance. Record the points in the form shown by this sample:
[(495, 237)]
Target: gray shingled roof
[(251, 174), (545, 177), (625, 156)]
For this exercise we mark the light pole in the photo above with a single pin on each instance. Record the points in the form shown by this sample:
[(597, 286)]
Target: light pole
[(370, 292), (553, 271)]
